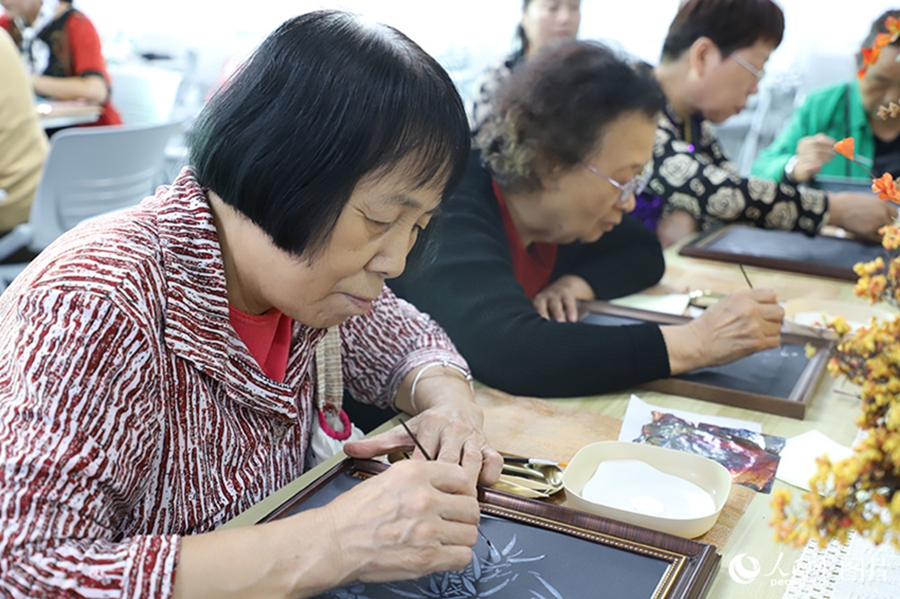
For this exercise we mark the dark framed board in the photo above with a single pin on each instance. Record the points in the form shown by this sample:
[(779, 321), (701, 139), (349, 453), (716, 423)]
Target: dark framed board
[(778, 381), (540, 550), (791, 251), (832, 183)]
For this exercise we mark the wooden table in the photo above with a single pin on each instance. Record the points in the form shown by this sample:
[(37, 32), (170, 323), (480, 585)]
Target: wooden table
[(736, 535), (830, 413), (58, 113)]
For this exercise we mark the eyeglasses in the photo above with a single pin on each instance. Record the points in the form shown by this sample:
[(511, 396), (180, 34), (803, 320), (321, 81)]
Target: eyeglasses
[(633, 187), (758, 73)]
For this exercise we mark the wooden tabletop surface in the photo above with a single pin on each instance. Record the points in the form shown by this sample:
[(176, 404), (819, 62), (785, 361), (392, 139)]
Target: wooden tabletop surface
[(66, 113), (743, 537), (831, 413), (529, 427)]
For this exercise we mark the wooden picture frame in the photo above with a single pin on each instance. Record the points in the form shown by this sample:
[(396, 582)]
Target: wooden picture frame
[(645, 563), (791, 251), (792, 404)]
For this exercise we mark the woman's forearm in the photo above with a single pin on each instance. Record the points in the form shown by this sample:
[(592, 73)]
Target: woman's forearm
[(684, 347), (676, 227), (91, 88), (267, 561), (742, 323), (411, 405)]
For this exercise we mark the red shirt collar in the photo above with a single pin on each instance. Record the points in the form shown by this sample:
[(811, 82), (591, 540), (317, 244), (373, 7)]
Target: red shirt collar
[(533, 265)]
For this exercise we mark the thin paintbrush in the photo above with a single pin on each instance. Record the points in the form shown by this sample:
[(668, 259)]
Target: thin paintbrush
[(428, 457), (416, 441), (750, 285), (746, 278), (534, 461)]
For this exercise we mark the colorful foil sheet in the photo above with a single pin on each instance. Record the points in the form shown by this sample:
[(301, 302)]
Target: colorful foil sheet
[(751, 457)]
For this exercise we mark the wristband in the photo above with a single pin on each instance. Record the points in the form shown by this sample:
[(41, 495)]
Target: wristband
[(789, 168), (446, 364)]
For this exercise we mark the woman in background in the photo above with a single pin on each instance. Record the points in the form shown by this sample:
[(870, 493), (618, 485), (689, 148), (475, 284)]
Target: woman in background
[(61, 51), (540, 221), (805, 146), (23, 145), (544, 23), (712, 60), (156, 366)]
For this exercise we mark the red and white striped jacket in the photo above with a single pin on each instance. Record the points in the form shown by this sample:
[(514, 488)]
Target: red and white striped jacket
[(130, 411)]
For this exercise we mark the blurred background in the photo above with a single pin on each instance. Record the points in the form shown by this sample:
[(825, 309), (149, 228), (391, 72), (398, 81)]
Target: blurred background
[(202, 40)]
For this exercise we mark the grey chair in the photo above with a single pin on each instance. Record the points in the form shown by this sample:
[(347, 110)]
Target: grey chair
[(89, 171), (143, 93)]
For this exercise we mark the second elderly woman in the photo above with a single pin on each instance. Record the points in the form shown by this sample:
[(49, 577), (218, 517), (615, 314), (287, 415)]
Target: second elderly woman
[(540, 221)]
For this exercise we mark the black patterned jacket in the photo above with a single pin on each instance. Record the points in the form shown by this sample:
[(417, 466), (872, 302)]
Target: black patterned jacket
[(692, 173)]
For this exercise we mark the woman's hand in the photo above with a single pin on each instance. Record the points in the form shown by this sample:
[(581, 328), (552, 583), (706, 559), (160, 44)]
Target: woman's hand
[(813, 152), (411, 520), (449, 426), (559, 300), (860, 213), (742, 323)]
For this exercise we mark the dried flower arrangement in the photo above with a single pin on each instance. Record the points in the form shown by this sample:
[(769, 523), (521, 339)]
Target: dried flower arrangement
[(861, 493)]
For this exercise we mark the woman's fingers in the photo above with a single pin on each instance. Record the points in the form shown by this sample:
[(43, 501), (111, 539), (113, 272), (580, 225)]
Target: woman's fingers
[(744, 322), (449, 430), (491, 462), (571, 306), (558, 308), (558, 305), (540, 304), (413, 519), (549, 305), (446, 440), (395, 439), (450, 445), (772, 315)]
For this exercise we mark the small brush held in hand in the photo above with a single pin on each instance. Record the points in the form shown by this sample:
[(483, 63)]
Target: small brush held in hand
[(428, 458), (784, 352), (746, 278)]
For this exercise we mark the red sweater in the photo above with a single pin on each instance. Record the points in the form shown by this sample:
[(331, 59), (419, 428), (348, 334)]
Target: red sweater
[(130, 412)]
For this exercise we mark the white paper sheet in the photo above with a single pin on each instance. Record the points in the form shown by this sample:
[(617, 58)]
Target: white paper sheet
[(672, 303), (798, 458)]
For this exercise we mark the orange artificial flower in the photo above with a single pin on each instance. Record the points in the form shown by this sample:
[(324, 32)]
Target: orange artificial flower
[(881, 40), (845, 148), (870, 55), (886, 188), (892, 24)]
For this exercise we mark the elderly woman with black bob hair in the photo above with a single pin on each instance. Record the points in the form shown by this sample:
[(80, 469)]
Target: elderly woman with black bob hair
[(540, 221), (155, 365)]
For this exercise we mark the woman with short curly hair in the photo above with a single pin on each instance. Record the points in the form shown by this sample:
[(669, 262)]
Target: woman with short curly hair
[(540, 221)]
